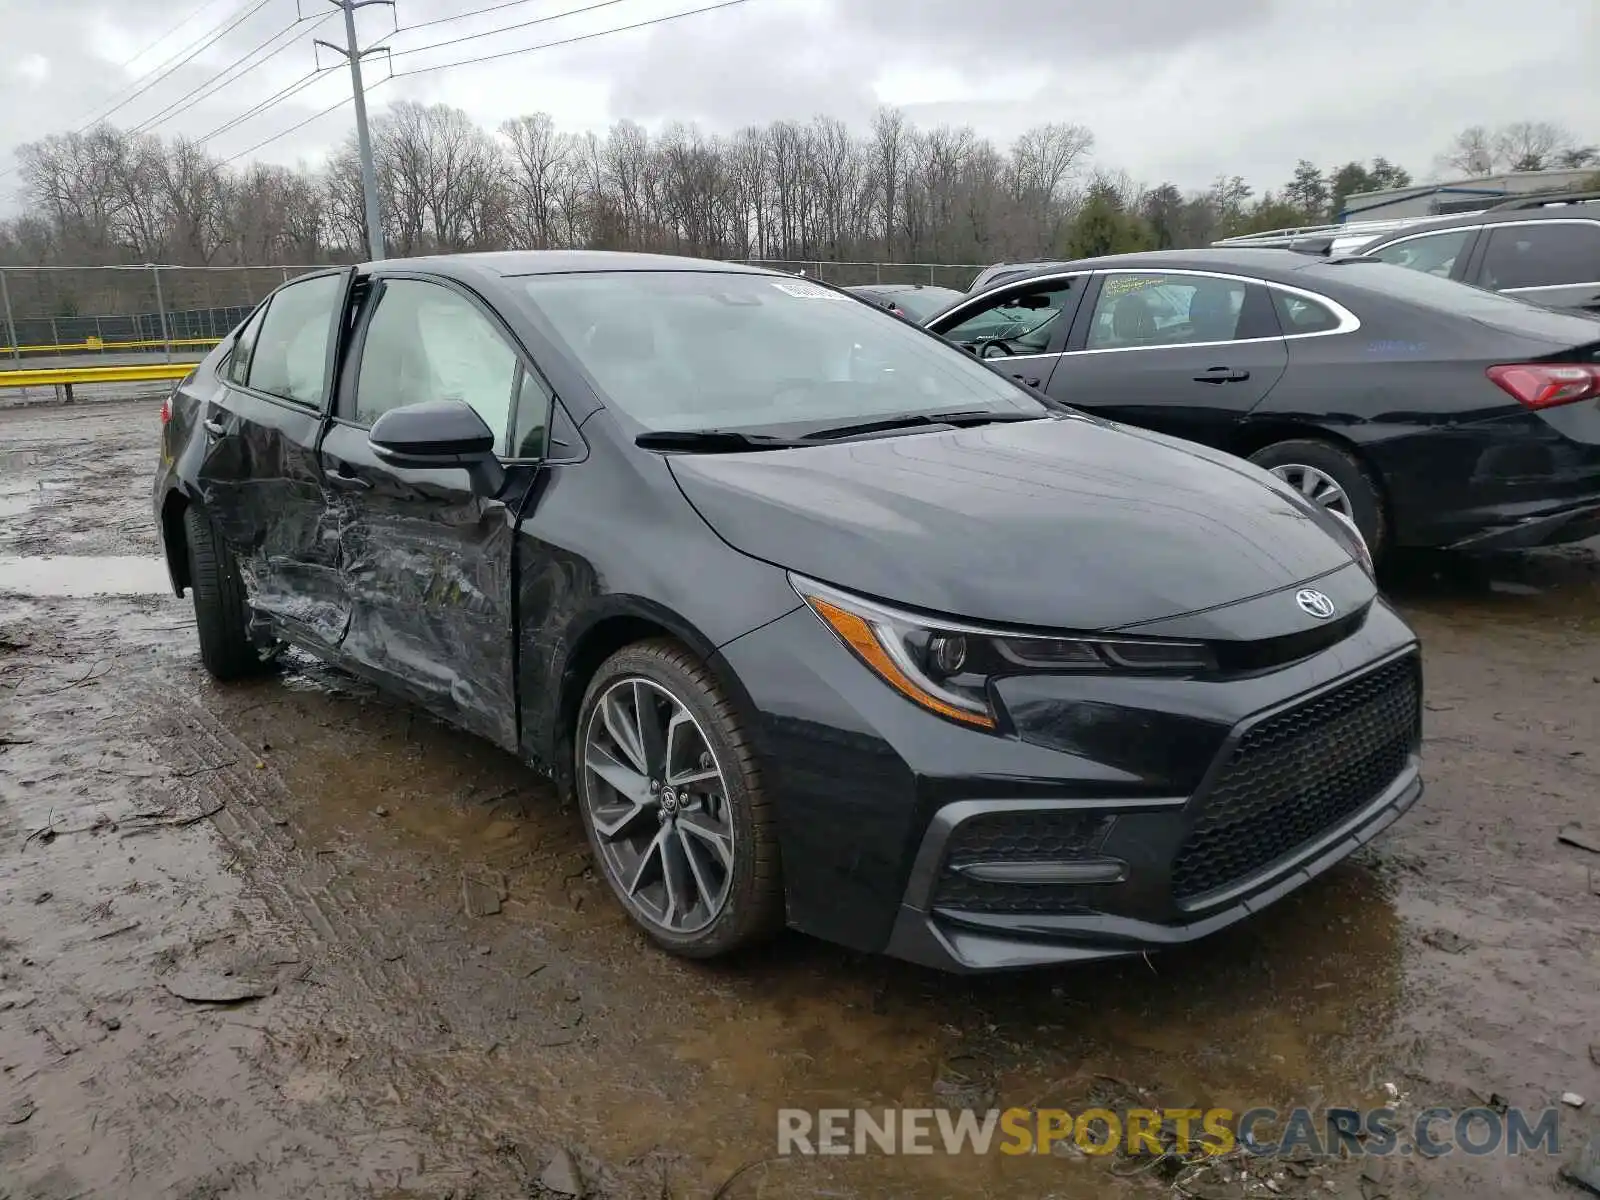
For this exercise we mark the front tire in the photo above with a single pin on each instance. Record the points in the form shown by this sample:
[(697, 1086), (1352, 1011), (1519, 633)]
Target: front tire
[(221, 612), (1331, 476), (673, 804)]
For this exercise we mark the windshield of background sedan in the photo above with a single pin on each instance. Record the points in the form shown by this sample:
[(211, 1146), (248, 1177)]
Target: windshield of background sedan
[(697, 350)]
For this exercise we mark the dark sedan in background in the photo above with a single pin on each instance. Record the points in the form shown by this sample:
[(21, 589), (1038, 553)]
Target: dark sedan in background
[(914, 301), (823, 621), (1427, 412)]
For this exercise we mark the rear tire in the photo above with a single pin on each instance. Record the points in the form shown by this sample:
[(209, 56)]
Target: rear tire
[(681, 799), (1306, 463), (221, 612)]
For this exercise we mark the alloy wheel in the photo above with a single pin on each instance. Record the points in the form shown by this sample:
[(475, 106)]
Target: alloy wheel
[(657, 800), (1316, 486)]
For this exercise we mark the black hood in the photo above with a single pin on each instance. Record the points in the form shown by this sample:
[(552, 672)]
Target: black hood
[(1063, 523)]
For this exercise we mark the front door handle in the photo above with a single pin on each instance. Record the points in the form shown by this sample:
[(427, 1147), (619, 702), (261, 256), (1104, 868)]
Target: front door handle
[(214, 428), (1222, 375)]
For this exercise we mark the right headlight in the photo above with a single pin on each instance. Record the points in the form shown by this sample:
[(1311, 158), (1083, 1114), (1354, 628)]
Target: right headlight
[(946, 666)]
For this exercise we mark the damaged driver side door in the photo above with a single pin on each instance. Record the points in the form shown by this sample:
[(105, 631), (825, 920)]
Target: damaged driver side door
[(427, 560)]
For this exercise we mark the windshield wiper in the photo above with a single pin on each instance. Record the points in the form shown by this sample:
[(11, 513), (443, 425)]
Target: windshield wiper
[(711, 441), (961, 420)]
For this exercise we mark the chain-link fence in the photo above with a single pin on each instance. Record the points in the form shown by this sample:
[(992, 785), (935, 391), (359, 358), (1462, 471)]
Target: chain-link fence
[(165, 310), (140, 310)]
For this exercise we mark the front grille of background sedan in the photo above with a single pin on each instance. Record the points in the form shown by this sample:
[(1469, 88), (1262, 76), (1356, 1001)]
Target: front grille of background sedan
[(1299, 773), (1019, 837)]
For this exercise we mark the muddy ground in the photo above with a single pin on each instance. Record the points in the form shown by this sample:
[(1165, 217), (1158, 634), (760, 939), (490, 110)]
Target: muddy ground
[(323, 858)]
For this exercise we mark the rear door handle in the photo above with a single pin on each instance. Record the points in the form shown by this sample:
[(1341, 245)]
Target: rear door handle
[(1031, 380), (214, 428), (1222, 375)]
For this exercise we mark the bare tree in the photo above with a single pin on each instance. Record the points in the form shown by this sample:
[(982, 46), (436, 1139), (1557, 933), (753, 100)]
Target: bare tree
[(1472, 152), (1530, 145)]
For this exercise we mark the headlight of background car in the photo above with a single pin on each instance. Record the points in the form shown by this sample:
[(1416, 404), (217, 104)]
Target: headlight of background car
[(946, 666)]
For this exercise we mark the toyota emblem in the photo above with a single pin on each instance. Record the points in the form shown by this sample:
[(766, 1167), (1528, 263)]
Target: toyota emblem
[(1315, 603)]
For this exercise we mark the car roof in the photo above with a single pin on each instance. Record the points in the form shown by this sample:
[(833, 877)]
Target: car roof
[(1268, 264), (508, 264), (1554, 209)]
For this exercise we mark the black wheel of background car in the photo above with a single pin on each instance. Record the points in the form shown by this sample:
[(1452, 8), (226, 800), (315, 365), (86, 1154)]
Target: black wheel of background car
[(1332, 477), (221, 613), (671, 798)]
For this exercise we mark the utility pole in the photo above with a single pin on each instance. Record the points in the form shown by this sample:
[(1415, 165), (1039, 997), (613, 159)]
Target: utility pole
[(369, 173)]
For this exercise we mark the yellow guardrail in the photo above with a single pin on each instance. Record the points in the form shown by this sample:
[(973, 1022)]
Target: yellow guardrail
[(66, 378), (91, 345)]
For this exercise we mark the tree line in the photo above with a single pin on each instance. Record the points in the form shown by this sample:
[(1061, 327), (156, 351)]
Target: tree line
[(812, 191)]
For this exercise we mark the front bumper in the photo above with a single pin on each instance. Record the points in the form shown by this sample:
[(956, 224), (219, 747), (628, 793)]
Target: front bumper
[(970, 942), (875, 797)]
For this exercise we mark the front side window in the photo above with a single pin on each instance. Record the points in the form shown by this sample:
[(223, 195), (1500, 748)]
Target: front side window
[(696, 350), (1148, 310), (1548, 254), (290, 357), (1023, 322), (1435, 254), (425, 342)]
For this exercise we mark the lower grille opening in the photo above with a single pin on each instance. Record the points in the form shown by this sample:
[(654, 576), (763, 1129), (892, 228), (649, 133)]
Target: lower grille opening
[(1013, 837), (1299, 773)]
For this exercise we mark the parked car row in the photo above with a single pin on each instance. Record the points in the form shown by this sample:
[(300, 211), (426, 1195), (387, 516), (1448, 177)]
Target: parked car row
[(826, 622), (1428, 413)]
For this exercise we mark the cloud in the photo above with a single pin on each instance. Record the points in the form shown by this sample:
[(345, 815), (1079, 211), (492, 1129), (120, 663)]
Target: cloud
[(1173, 90)]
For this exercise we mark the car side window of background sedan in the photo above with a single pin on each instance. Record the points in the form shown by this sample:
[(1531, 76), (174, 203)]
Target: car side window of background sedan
[(1135, 311), (290, 356), (426, 342), (1548, 254), (1436, 253), (1020, 323)]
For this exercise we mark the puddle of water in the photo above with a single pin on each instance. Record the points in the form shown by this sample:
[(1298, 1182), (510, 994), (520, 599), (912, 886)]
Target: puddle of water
[(65, 577)]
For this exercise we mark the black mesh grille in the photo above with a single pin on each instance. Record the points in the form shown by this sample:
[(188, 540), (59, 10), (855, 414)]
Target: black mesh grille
[(1295, 775), (1018, 837)]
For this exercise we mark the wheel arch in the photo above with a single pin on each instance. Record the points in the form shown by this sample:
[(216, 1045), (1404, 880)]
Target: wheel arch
[(175, 538), (596, 636), (1256, 435)]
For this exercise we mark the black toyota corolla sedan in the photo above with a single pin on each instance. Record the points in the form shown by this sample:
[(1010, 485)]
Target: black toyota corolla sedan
[(821, 620), (1428, 412)]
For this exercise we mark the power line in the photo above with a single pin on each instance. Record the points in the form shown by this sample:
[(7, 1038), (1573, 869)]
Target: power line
[(583, 37), (472, 37), (272, 101), (476, 12), (185, 56), (218, 81), (298, 125), (205, 4)]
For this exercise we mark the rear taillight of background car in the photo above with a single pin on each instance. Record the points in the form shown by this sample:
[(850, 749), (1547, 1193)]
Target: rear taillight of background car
[(1546, 385), (166, 409)]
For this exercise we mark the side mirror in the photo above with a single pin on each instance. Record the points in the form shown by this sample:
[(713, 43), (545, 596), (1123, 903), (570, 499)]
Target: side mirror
[(439, 435)]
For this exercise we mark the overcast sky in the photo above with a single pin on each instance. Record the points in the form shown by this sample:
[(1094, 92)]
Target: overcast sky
[(1173, 89)]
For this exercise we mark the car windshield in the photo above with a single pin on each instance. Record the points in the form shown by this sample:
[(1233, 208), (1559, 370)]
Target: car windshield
[(696, 350)]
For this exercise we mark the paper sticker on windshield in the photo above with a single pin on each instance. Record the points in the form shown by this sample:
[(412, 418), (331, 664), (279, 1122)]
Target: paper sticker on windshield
[(808, 291)]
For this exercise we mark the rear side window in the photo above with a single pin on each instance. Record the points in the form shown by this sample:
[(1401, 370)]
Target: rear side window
[(290, 357), (238, 368), (1299, 314), (1435, 254), (1135, 311), (1547, 254)]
